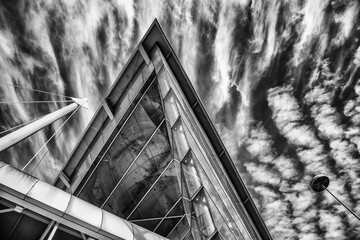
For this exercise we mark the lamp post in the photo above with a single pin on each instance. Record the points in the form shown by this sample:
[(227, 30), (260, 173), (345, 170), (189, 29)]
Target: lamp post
[(320, 183)]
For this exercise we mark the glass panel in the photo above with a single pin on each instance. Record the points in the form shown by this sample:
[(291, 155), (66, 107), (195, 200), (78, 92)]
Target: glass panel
[(125, 95), (169, 223), (126, 82), (195, 232), (171, 108), (163, 82), (155, 56), (180, 142), (167, 226), (7, 222), (163, 195), (206, 225), (217, 237), (178, 209), (220, 223), (189, 209), (142, 175), (191, 176), (126, 146), (180, 230), (189, 236), (148, 224), (152, 104), (214, 189), (61, 235), (28, 228)]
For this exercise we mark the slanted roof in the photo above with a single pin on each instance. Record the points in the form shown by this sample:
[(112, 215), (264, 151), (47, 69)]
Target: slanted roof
[(155, 35)]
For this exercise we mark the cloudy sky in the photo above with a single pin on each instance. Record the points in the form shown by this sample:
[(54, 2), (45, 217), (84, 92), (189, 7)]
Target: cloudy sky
[(280, 80)]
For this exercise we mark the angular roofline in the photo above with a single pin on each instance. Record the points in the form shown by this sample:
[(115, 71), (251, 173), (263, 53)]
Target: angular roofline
[(205, 121)]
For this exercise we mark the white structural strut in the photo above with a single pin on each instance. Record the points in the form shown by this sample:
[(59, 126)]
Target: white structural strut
[(26, 131), (32, 194)]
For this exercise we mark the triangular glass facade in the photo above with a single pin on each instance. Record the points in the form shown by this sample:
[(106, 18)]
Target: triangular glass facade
[(155, 171)]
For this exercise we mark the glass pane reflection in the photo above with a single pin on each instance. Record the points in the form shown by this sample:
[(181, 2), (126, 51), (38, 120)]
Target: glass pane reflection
[(220, 223), (190, 173), (180, 142), (180, 230), (163, 79), (171, 108), (167, 226), (148, 224), (189, 236), (126, 146), (162, 196), (206, 225), (142, 174), (156, 58)]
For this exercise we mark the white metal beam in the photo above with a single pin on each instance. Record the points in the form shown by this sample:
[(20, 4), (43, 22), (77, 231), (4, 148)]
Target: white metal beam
[(144, 54), (108, 110), (26, 131)]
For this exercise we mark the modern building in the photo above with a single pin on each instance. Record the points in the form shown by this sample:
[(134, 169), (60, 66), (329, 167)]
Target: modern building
[(150, 165)]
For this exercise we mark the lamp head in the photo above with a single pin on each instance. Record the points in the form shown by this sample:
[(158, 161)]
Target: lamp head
[(319, 183)]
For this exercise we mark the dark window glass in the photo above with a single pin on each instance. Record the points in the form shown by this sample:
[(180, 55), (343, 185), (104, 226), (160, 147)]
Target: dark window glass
[(7, 222), (142, 175), (180, 230), (127, 145), (163, 79), (167, 226), (217, 237), (189, 236), (162, 196), (148, 224), (28, 228)]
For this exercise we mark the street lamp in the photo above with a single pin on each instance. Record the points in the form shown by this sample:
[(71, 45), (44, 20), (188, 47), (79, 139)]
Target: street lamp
[(320, 183)]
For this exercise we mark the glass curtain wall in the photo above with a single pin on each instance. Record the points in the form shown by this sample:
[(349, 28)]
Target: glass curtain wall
[(156, 173)]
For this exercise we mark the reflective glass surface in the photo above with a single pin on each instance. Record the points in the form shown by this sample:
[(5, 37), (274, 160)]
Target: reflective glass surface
[(126, 146), (213, 187), (180, 230), (161, 172), (163, 81), (156, 58), (220, 222), (203, 215), (142, 175), (161, 197), (167, 226), (190, 174), (181, 145), (149, 224), (171, 107)]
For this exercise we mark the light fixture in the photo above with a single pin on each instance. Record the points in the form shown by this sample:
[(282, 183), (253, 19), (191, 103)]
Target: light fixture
[(320, 183)]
